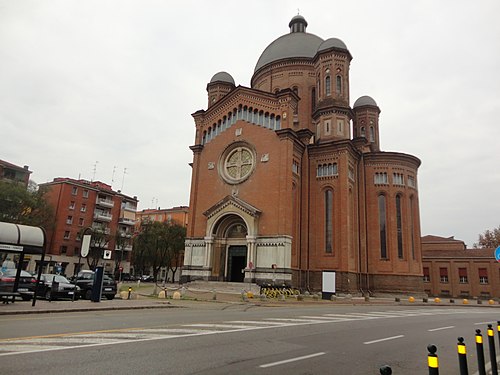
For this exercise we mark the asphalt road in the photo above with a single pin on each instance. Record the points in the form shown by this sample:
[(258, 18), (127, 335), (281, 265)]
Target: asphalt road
[(239, 339)]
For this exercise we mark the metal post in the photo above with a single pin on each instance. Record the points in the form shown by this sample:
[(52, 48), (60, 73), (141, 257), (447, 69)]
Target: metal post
[(498, 329), (385, 370), (462, 356), (493, 354), (480, 353), (129, 292), (432, 360)]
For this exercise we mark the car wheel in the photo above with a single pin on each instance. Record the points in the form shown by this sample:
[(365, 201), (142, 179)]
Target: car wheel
[(88, 294), (110, 297), (48, 295)]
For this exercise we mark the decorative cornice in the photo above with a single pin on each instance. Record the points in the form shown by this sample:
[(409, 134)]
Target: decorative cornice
[(236, 203)]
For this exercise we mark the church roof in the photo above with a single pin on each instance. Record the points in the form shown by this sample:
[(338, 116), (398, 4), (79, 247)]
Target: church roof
[(364, 100), (298, 43), (222, 77)]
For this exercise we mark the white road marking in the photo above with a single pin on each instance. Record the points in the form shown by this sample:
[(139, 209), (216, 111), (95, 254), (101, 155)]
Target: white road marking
[(476, 324), (292, 360), (384, 339), (440, 329), (85, 340)]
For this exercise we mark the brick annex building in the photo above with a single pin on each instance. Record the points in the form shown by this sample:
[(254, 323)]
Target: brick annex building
[(288, 180)]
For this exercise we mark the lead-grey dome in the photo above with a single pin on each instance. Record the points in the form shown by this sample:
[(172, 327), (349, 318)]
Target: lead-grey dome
[(364, 100), (332, 43), (222, 77), (296, 44)]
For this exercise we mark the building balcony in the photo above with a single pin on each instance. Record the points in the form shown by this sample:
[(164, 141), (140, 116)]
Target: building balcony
[(105, 202), (129, 207), (125, 221), (101, 229), (125, 234), (103, 216), (126, 248)]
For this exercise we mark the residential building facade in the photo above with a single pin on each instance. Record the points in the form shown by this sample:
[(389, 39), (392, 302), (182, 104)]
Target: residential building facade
[(81, 204), (12, 173)]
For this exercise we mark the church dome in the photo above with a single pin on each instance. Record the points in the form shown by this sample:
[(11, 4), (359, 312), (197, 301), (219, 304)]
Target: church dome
[(297, 43), (222, 77), (364, 100), (332, 43)]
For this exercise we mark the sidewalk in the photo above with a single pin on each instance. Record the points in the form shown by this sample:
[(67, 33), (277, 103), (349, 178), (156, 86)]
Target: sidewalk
[(197, 296)]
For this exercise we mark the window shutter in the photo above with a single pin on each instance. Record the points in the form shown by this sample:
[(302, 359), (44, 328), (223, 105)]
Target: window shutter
[(483, 272), (462, 272), (443, 272)]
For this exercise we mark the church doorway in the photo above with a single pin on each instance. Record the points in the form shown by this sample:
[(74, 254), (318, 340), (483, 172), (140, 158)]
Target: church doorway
[(237, 260), (229, 249)]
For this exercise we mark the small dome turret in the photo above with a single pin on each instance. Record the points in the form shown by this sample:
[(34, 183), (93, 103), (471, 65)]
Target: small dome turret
[(222, 77), (365, 100), (332, 43), (219, 86)]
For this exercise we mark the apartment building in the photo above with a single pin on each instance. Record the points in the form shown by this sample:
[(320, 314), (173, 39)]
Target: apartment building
[(94, 206)]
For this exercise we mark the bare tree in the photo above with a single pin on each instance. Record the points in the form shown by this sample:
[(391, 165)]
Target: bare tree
[(490, 239)]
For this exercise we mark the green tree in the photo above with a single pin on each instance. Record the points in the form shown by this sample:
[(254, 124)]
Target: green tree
[(490, 239), (25, 206), (157, 246)]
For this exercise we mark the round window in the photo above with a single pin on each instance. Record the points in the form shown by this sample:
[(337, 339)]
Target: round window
[(237, 164)]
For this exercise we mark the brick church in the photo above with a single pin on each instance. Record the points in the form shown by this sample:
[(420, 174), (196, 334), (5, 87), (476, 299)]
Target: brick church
[(289, 180)]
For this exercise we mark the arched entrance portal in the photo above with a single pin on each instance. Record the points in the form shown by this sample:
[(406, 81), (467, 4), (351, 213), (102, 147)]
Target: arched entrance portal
[(230, 249)]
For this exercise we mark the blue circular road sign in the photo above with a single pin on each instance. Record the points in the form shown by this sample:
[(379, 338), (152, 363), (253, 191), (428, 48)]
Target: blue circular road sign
[(497, 254)]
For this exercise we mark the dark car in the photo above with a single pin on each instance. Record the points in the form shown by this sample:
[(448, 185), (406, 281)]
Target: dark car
[(85, 280), (62, 288), (147, 278), (26, 286)]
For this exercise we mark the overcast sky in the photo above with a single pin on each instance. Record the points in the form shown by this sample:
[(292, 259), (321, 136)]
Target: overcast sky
[(88, 87)]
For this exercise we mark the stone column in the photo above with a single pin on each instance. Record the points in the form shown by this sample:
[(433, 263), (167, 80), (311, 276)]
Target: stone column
[(209, 242)]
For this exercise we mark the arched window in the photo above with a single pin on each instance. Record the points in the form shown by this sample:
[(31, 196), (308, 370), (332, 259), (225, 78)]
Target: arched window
[(266, 120), (209, 135), (363, 134), (372, 134), (278, 123), (250, 114), (261, 118), (313, 99), (272, 121), (382, 222), (338, 85), (329, 221), (319, 171), (245, 113), (239, 115), (204, 139), (327, 86), (412, 227), (399, 226)]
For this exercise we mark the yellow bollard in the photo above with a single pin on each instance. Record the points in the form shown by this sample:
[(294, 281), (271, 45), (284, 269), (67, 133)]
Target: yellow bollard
[(465, 301), (437, 300), (411, 299), (249, 294), (176, 295), (491, 302)]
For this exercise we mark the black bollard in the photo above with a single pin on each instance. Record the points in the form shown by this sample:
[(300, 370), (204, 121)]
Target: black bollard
[(432, 360), (498, 329), (493, 354), (129, 292), (385, 370), (480, 353), (462, 357)]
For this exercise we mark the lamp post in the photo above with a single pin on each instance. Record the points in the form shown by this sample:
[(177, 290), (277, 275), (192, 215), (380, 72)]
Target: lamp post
[(84, 251)]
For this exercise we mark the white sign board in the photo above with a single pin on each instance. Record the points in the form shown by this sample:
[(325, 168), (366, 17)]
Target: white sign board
[(328, 282), (10, 247), (107, 254), (85, 245)]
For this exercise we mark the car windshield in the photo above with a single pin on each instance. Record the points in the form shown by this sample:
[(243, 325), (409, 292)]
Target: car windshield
[(58, 278), (12, 272)]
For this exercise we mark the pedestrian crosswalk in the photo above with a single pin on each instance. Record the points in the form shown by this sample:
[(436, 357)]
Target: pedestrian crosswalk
[(111, 337)]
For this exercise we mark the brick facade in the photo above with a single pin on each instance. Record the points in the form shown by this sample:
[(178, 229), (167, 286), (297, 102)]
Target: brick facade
[(452, 270), (289, 181), (80, 204)]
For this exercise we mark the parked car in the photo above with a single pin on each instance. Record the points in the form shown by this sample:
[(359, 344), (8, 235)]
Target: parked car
[(147, 278), (64, 289), (85, 280), (26, 286)]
